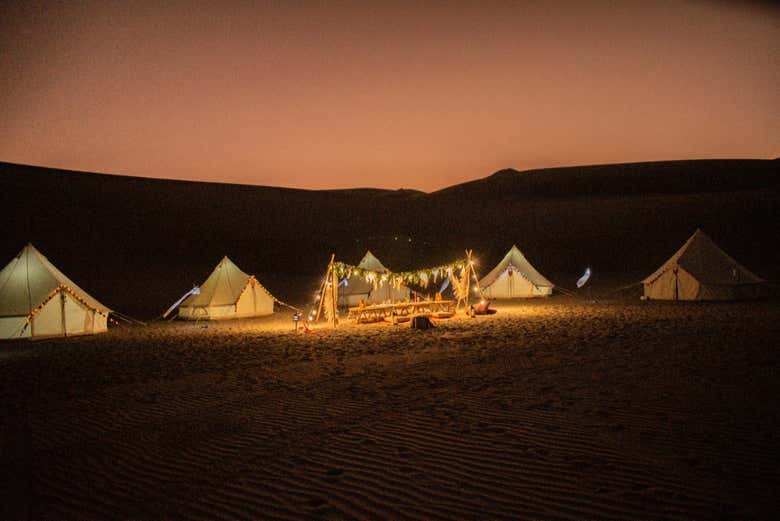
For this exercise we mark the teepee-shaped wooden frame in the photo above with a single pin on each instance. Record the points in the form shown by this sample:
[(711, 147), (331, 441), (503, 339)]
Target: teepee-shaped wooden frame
[(468, 273), (329, 295)]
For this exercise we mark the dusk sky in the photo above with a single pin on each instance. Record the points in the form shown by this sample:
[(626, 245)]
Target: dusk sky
[(384, 94)]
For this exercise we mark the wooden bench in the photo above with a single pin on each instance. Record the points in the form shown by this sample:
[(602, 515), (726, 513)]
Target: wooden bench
[(374, 313)]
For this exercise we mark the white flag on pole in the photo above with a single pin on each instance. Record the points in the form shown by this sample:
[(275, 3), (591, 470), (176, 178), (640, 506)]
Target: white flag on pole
[(584, 278)]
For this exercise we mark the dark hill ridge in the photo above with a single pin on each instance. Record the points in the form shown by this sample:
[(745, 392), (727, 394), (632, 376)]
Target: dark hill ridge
[(138, 243), (630, 179)]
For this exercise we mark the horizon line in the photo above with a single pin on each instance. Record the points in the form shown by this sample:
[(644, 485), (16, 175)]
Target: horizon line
[(367, 188)]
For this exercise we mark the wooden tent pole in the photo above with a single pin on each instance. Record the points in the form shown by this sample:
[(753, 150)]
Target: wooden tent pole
[(62, 310), (334, 296), (476, 278), (468, 277), (322, 287)]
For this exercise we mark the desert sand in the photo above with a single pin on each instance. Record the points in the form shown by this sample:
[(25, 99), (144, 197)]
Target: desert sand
[(562, 408)]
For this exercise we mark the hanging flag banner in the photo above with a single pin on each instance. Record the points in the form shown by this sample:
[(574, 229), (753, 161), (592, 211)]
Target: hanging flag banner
[(421, 277)]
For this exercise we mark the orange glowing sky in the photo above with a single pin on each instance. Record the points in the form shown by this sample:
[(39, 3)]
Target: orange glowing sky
[(384, 94)]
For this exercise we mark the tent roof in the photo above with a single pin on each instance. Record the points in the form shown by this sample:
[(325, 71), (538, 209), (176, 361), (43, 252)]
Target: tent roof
[(29, 279), (517, 260), (707, 263), (370, 262), (222, 288), (357, 285)]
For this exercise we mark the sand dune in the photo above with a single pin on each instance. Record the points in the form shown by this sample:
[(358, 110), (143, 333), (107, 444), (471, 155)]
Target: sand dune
[(547, 410)]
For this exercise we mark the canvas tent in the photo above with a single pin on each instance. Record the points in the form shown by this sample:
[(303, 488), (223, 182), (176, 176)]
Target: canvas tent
[(514, 277), (353, 289), (700, 270), (228, 293), (37, 300)]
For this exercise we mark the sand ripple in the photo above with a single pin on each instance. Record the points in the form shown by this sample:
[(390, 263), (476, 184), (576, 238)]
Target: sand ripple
[(554, 410)]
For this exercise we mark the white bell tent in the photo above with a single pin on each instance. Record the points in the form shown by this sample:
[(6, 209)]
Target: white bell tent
[(354, 288), (515, 277), (228, 293), (700, 270), (37, 300)]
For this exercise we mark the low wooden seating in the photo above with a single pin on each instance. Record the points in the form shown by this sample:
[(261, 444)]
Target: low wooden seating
[(363, 314)]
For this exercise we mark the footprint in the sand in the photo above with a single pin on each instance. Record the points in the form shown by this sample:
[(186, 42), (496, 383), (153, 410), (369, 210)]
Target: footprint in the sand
[(580, 464), (403, 453), (539, 451), (334, 473), (316, 503)]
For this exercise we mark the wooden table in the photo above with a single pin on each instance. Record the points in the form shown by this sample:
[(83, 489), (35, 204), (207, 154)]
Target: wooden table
[(381, 311)]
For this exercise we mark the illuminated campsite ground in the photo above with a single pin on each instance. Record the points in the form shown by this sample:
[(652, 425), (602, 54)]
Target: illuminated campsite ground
[(556, 409)]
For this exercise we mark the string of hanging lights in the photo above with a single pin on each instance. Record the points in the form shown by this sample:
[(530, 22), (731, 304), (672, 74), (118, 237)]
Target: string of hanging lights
[(252, 279), (419, 277), (57, 290), (460, 271)]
